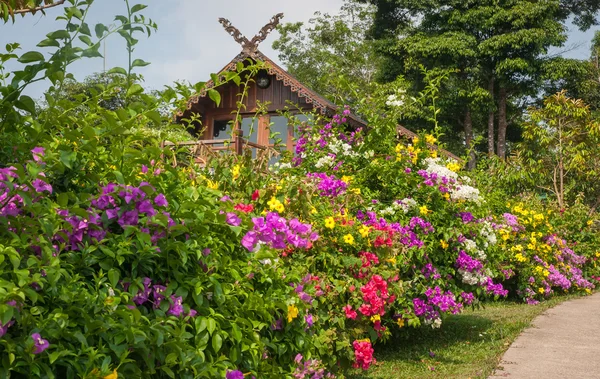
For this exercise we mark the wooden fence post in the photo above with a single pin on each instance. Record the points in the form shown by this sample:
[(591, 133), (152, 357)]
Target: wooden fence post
[(239, 141)]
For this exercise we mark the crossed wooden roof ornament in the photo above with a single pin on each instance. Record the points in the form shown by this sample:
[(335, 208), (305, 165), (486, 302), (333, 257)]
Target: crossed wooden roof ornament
[(251, 46)]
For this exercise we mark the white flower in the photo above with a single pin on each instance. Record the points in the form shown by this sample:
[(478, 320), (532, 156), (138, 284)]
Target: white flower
[(405, 204), (325, 161), (434, 166), (436, 323), (465, 192)]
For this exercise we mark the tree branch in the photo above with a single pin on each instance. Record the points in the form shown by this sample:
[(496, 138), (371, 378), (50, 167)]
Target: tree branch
[(40, 8)]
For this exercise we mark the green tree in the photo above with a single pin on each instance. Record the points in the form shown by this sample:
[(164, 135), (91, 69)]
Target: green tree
[(330, 51), (498, 46), (561, 147)]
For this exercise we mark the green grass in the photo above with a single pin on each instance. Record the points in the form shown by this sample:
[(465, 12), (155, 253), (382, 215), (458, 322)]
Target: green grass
[(468, 345)]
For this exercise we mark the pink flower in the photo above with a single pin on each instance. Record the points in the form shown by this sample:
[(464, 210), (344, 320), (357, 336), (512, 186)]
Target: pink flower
[(350, 313), (363, 354)]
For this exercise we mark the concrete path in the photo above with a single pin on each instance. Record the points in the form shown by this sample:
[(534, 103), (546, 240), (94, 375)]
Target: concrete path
[(563, 343)]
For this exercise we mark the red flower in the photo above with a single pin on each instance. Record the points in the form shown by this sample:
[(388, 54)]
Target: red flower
[(255, 195), (244, 208)]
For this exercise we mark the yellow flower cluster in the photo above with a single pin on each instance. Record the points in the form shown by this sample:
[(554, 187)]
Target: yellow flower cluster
[(423, 210), (430, 139), (520, 258), (444, 244), (539, 270), (275, 205), (292, 312), (235, 171), (375, 318), (453, 166)]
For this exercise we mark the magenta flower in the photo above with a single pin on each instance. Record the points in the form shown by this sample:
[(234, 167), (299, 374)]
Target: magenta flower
[(233, 219), (38, 153), (144, 169), (41, 186), (237, 374), (161, 200), (176, 308), (40, 344), (128, 218)]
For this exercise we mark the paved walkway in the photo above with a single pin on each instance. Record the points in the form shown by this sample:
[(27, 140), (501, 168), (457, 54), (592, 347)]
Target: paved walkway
[(563, 343)]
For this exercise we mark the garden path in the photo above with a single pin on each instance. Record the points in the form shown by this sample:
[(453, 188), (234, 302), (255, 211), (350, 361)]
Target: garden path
[(563, 342)]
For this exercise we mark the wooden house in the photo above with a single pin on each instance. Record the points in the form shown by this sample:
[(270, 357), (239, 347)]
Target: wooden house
[(274, 86)]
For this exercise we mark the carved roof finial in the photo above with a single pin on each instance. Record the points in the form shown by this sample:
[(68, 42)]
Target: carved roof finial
[(251, 46)]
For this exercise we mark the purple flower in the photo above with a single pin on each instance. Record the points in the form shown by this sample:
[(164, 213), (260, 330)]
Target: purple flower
[(38, 153), (39, 343), (309, 320), (41, 186), (237, 374), (128, 218), (4, 328), (144, 169), (176, 308), (160, 200), (145, 206), (233, 219)]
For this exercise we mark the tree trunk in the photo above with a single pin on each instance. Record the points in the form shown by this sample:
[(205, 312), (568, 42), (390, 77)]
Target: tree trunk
[(469, 139), (491, 120), (502, 123)]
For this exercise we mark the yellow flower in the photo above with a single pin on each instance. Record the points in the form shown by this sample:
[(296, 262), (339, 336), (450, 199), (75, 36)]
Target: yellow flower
[(364, 231), (446, 196), (410, 148), (423, 210), (114, 375), (590, 222), (375, 318), (391, 260), (541, 290), (275, 204), (444, 244), (313, 210), (235, 171), (538, 217), (400, 322), (330, 223), (453, 166), (349, 239), (399, 147), (520, 258), (212, 185), (415, 140), (430, 139), (347, 179), (356, 190), (292, 312), (433, 154), (588, 291)]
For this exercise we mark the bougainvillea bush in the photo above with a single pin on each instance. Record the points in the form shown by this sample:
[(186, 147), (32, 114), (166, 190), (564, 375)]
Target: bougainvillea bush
[(116, 263)]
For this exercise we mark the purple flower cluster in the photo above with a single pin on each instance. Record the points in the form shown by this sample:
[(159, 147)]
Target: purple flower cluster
[(276, 232), (424, 225), (467, 263), (429, 271), (329, 185), (125, 205), (495, 289), (444, 302), (466, 217), (155, 294), (467, 297), (309, 369), (432, 178)]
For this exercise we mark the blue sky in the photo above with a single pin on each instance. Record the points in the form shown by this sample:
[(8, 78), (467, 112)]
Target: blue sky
[(190, 43)]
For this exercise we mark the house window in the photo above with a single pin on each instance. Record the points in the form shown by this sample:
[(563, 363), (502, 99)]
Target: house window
[(279, 131), (221, 129), (250, 129)]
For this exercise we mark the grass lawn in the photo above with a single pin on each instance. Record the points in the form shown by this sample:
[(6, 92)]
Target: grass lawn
[(468, 345)]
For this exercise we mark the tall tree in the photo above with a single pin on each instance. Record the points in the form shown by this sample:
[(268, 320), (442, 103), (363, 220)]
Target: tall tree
[(331, 49), (505, 42)]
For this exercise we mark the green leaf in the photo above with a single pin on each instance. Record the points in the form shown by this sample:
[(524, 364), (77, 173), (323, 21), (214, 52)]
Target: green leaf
[(117, 70), (217, 342), (67, 157), (63, 199), (113, 276), (59, 34), (48, 42), (31, 56), (134, 90), (26, 103), (154, 116), (139, 63), (100, 29), (214, 96), (85, 29), (211, 324), (87, 40), (137, 8)]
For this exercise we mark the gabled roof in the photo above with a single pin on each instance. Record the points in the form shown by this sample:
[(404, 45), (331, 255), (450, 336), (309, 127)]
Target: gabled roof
[(320, 103)]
